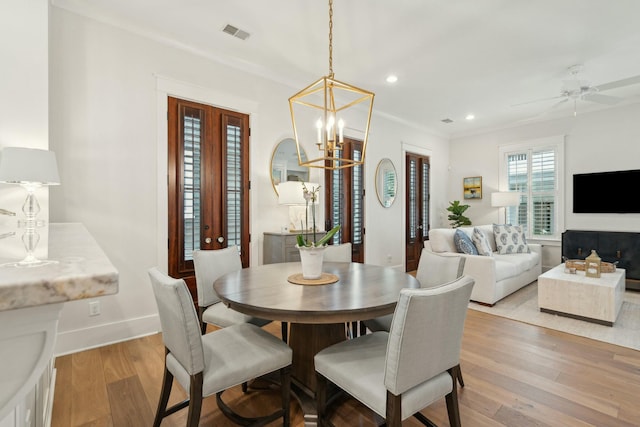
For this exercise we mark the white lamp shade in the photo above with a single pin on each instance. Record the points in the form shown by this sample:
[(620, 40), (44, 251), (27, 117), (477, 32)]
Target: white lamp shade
[(291, 192), (503, 199), (20, 165)]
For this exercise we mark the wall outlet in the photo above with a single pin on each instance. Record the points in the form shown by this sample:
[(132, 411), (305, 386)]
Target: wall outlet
[(94, 308)]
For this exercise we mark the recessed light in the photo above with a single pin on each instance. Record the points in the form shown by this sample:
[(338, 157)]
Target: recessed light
[(392, 78), (470, 117)]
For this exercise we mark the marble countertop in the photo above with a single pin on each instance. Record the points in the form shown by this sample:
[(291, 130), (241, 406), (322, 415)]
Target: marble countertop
[(82, 271)]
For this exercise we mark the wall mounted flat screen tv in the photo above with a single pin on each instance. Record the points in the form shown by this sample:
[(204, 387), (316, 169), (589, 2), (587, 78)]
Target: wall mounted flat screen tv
[(607, 192)]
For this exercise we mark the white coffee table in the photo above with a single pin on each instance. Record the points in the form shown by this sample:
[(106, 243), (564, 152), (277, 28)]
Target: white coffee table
[(587, 298)]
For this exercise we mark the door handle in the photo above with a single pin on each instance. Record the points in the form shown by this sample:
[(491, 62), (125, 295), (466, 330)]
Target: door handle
[(220, 239), (207, 240)]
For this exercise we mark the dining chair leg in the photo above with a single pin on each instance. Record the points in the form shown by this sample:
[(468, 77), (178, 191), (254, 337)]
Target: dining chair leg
[(321, 399), (394, 410), (458, 372), (167, 383), (285, 390), (452, 402), (203, 325), (195, 400), (284, 330)]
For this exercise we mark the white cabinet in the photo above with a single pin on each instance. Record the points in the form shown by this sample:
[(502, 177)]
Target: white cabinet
[(29, 313)]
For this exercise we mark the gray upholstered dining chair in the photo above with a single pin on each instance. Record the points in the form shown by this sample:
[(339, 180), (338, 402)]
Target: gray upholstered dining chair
[(433, 270), (212, 363), (341, 253), (338, 253), (400, 372), (209, 265)]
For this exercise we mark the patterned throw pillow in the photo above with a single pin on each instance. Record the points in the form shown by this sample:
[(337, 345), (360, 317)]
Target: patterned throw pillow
[(463, 243), (510, 239), (481, 243)]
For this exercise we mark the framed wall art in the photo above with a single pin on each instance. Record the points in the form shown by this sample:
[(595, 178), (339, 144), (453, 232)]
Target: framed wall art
[(472, 187)]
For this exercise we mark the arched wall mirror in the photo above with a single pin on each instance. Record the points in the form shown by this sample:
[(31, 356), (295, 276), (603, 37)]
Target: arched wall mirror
[(386, 182), (284, 164)]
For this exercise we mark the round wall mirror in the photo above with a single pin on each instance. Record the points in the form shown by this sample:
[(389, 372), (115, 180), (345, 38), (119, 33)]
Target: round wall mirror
[(284, 164), (386, 182)]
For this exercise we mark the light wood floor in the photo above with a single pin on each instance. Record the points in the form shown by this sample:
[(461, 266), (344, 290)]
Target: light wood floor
[(516, 375)]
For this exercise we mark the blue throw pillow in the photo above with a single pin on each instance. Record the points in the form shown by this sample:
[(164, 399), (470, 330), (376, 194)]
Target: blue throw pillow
[(464, 244)]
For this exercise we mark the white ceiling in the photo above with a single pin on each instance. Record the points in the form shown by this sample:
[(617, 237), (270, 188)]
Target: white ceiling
[(452, 57)]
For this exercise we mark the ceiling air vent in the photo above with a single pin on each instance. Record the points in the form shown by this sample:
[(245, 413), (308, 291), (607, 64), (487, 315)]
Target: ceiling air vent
[(446, 121), (236, 32)]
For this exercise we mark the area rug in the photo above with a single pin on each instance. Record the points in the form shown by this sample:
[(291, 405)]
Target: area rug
[(523, 306)]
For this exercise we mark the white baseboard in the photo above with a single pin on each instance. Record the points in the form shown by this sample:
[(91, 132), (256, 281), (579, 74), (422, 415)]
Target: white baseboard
[(98, 336)]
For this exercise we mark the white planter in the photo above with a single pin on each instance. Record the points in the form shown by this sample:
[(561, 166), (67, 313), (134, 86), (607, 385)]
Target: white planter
[(311, 259)]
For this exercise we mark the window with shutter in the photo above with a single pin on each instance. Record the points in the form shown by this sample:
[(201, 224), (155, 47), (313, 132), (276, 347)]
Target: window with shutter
[(535, 171)]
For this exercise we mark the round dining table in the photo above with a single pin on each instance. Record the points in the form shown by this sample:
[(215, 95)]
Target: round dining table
[(316, 312)]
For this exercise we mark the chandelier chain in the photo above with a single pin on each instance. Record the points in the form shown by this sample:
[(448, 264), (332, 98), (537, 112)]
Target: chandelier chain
[(331, 38)]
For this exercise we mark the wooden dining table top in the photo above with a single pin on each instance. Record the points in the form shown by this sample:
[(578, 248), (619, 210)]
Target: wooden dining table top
[(363, 291)]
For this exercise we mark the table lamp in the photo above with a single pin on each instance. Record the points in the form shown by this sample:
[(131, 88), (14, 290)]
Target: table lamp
[(291, 193), (504, 199), (31, 168)]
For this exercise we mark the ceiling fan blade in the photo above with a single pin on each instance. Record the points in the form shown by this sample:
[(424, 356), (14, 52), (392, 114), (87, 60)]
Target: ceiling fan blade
[(619, 83), (538, 100), (602, 99)]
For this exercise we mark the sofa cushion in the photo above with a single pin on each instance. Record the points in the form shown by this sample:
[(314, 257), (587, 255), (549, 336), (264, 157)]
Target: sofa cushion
[(463, 243), (510, 239), (481, 242), (511, 265)]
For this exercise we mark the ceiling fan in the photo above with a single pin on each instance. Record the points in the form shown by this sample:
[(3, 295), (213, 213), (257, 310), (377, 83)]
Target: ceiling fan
[(576, 89)]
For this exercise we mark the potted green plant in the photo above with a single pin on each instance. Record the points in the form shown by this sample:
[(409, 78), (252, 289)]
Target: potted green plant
[(312, 250), (456, 216)]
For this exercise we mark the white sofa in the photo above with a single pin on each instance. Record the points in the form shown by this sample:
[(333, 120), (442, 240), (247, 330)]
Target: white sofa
[(496, 276)]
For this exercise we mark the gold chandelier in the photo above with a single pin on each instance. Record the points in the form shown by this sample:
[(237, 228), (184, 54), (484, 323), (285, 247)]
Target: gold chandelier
[(321, 111)]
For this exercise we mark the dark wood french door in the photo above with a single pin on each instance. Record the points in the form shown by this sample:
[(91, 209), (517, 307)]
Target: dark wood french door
[(344, 201), (208, 183), (417, 207)]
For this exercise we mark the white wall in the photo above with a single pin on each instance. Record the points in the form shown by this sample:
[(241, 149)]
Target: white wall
[(596, 142), (108, 129), (23, 102)]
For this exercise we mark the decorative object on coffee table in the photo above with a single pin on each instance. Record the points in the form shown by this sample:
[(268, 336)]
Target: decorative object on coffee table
[(579, 265), (592, 265)]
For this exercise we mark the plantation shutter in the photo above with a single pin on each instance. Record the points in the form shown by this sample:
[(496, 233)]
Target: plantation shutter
[(412, 202), (543, 187), (192, 119), (234, 181), (356, 197), (533, 173)]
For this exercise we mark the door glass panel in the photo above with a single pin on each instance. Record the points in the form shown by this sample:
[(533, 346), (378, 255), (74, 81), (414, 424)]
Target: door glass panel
[(425, 199), (191, 182), (234, 186), (412, 203), (357, 200), (337, 202)]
